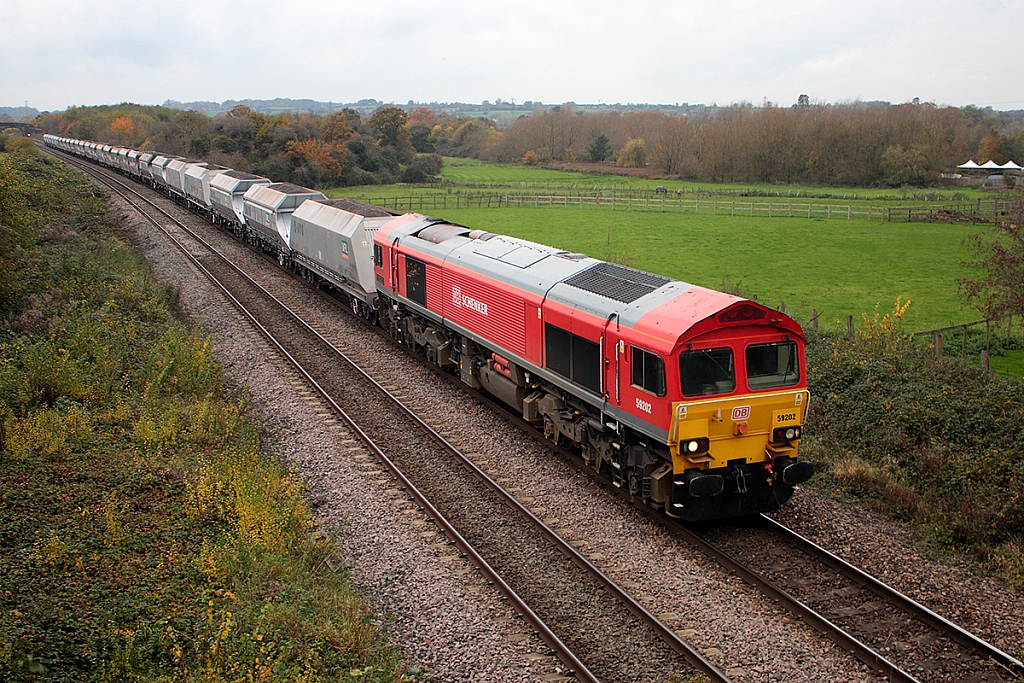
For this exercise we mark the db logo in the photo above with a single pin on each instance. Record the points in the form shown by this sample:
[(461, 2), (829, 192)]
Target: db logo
[(457, 295), (740, 413)]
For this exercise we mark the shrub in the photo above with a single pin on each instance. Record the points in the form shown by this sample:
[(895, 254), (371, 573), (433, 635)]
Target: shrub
[(926, 438)]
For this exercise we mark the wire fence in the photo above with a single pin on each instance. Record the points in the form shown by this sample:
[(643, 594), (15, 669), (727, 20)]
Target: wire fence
[(978, 211)]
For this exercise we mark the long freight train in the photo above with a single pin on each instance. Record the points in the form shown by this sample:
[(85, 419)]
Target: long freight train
[(692, 399)]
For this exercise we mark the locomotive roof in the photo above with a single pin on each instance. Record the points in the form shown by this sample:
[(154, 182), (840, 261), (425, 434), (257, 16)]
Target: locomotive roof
[(666, 311)]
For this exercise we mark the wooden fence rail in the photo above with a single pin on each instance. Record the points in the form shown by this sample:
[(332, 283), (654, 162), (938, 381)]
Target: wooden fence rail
[(977, 211)]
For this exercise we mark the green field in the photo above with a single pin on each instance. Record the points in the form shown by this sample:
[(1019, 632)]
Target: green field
[(463, 174), (839, 267), (472, 172)]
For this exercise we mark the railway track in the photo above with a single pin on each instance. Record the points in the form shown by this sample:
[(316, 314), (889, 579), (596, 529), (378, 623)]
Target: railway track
[(593, 625), (893, 633)]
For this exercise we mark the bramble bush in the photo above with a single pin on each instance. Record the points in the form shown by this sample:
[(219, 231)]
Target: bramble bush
[(928, 438)]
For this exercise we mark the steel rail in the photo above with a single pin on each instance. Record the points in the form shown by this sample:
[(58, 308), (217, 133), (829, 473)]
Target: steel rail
[(679, 645), (1011, 665)]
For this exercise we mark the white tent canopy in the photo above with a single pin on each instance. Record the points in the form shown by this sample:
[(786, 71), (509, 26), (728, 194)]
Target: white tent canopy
[(970, 164), (990, 164), (1010, 166)]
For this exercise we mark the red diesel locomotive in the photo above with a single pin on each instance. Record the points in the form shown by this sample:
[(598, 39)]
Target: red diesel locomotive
[(691, 398)]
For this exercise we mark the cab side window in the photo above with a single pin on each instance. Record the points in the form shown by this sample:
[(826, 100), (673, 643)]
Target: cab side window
[(648, 371)]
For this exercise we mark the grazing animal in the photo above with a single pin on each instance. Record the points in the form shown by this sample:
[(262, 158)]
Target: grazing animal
[(661, 189)]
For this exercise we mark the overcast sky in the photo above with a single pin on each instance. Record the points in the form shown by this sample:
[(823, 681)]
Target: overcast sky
[(55, 53)]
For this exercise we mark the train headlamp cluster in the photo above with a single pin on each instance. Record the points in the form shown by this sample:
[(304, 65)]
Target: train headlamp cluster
[(791, 433), (694, 445)]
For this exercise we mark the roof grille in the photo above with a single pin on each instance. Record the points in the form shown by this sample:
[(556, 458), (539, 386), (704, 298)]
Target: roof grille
[(617, 282)]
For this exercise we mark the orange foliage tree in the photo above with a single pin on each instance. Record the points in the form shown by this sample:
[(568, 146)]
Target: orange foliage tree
[(329, 156), (123, 127)]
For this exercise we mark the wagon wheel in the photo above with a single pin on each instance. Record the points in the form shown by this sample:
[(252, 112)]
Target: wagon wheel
[(634, 483)]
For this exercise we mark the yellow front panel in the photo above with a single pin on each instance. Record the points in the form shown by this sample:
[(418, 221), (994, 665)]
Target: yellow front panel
[(738, 426)]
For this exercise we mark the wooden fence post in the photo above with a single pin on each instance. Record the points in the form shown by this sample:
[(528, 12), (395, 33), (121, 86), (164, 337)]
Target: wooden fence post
[(782, 307), (938, 343), (814, 318), (849, 326), (984, 361)]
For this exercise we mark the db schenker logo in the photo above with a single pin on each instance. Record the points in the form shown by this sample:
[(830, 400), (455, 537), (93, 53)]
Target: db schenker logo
[(460, 300)]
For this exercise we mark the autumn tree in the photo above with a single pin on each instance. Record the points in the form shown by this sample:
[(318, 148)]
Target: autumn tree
[(335, 128), (124, 128), (424, 115), (388, 123), (988, 149), (318, 163), (996, 287), (633, 154)]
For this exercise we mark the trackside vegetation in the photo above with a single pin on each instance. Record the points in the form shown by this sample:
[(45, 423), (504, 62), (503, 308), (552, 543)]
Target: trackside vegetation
[(928, 439), (145, 534)]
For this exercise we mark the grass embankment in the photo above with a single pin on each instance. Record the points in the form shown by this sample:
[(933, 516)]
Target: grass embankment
[(928, 439), (143, 533)]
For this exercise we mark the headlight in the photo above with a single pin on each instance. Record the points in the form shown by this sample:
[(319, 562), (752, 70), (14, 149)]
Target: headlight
[(786, 433), (694, 445)]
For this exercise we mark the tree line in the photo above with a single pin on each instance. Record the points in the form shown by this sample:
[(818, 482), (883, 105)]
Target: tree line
[(856, 144), (851, 144), (313, 150)]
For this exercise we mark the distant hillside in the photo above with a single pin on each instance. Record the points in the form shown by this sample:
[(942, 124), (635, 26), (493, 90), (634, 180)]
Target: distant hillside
[(500, 111), (18, 113)]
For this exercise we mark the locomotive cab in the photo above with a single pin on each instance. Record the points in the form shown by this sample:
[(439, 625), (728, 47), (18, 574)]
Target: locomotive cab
[(736, 423)]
